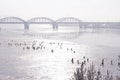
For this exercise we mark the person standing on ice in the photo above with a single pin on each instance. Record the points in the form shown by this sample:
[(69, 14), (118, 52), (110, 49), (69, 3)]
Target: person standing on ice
[(119, 61), (111, 62), (72, 60), (102, 64)]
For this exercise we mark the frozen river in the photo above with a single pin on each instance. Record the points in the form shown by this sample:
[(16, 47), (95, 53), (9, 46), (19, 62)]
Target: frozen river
[(51, 58)]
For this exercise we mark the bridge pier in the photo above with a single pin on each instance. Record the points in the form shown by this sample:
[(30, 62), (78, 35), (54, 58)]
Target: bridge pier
[(55, 26), (26, 26)]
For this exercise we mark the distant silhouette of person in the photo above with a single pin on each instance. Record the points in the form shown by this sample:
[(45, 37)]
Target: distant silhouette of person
[(28, 47), (119, 56), (67, 49), (102, 64), (78, 62), (84, 62), (111, 62), (52, 50), (118, 61), (118, 64), (73, 51), (84, 57), (87, 59), (72, 60), (98, 72)]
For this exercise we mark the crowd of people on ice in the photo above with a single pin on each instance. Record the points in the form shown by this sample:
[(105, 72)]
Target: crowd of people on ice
[(35, 45)]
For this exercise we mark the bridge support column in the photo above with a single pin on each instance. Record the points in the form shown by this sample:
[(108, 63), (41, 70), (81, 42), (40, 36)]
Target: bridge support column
[(26, 26), (55, 26)]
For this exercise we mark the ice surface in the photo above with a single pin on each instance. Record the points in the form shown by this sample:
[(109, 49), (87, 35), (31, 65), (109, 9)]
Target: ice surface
[(17, 63)]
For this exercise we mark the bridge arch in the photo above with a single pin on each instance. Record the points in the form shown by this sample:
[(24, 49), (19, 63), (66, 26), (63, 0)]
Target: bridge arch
[(42, 20), (68, 21), (13, 20)]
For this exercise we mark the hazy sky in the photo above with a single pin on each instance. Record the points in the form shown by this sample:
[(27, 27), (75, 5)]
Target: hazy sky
[(87, 10)]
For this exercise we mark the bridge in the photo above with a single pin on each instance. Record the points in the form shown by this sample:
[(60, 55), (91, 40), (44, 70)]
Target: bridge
[(65, 21)]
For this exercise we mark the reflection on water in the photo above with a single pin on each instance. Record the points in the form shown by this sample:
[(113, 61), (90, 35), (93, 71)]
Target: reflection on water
[(23, 62)]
